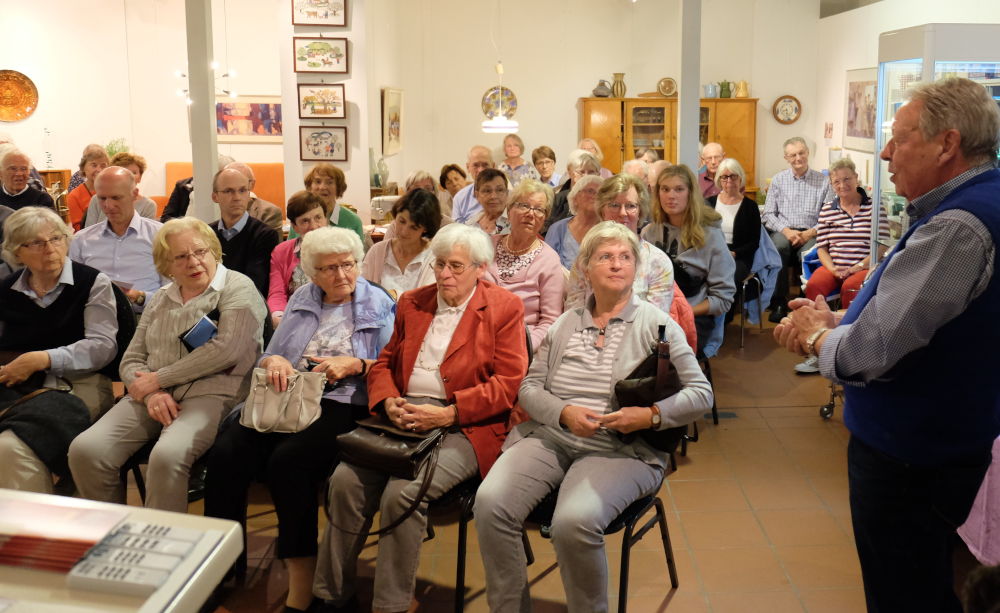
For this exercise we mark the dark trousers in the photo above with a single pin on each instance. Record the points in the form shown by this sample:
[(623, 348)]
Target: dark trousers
[(292, 465), (904, 519), (790, 258)]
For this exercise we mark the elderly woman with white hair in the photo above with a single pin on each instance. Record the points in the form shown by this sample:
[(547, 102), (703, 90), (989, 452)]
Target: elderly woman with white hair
[(740, 216), (566, 235), (590, 146), (178, 390), (59, 318), (455, 360), (580, 164), (575, 441), (336, 324)]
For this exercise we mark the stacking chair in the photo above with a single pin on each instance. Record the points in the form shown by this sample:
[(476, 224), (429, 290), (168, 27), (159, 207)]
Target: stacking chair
[(763, 275)]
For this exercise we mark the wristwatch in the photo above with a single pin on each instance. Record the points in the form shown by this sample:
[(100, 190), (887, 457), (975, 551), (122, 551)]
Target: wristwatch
[(811, 341), (655, 410), (141, 299)]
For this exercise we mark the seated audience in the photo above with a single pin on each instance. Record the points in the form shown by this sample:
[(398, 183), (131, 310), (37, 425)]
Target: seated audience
[(329, 183), (843, 242), (465, 203), (647, 155), (514, 165), (176, 394), (688, 231), (544, 159), (740, 217), (590, 146), (180, 197), (342, 322), (580, 163), (524, 265), (403, 262), (418, 385), (491, 193), (15, 192), (566, 235), (452, 180), (93, 161), (61, 318), (306, 213), (259, 208), (636, 168), (246, 242), (136, 164), (121, 246), (575, 441), (35, 180)]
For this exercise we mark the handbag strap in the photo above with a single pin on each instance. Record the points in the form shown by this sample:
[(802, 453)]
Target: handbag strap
[(432, 461), (26, 398), (259, 400)]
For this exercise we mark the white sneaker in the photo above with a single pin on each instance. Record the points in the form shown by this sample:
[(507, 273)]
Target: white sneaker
[(809, 367)]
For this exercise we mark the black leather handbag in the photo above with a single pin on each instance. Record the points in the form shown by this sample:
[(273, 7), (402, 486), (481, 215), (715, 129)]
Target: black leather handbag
[(654, 379)]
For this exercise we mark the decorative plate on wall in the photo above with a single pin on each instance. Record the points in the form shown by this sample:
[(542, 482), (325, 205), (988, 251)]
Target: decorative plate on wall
[(18, 96), (491, 102), (667, 87), (786, 109)]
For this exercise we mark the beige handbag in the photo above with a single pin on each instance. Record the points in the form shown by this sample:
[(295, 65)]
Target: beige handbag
[(293, 410)]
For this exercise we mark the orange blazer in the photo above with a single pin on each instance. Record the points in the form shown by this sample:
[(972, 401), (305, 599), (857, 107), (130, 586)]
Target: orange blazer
[(482, 369)]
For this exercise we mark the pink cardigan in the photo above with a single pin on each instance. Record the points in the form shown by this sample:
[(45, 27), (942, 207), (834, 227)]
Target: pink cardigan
[(283, 262), (540, 286)]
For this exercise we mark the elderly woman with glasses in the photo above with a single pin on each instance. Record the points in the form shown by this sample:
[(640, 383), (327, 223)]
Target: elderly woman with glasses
[(60, 319), (336, 324), (455, 360), (178, 388), (524, 264), (574, 441), (580, 164), (566, 235), (740, 216)]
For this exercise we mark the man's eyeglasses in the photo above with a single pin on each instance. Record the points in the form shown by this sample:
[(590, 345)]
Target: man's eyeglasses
[(198, 254), (243, 191), (456, 268), (489, 191), (524, 207), (346, 268), (40, 244)]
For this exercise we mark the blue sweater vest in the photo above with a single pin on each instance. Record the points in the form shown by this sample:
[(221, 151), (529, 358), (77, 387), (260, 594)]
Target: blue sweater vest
[(941, 403)]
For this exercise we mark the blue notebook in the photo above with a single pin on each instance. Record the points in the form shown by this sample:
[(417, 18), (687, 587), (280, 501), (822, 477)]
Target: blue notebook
[(201, 332)]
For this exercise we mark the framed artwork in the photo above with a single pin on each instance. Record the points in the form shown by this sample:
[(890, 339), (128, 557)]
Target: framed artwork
[(859, 109), (392, 121), (248, 119), (322, 101), (319, 12), (318, 54), (323, 143)]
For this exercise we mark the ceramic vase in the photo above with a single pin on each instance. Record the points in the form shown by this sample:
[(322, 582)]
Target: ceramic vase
[(742, 90), (618, 85)]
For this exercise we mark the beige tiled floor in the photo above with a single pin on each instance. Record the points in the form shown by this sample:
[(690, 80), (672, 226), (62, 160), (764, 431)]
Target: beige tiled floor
[(757, 513)]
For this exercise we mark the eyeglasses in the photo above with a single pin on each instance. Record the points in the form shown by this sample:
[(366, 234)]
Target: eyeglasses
[(545, 163), (243, 191), (800, 154), (630, 207), (487, 191), (605, 259), (456, 268), (198, 254), (712, 158), (524, 207), (346, 268), (729, 177), (40, 244)]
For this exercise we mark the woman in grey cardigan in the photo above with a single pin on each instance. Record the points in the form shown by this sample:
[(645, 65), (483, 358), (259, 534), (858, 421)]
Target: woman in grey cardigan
[(573, 441), (176, 393)]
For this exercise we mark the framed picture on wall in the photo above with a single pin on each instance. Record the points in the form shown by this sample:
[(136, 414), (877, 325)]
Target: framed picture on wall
[(322, 101), (392, 121), (318, 54), (859, 109), (248, 119), (323, 143), (319, 12)]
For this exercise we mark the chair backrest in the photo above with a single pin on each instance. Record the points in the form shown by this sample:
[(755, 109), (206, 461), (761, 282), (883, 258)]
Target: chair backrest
[(126, 329), (270, 178)]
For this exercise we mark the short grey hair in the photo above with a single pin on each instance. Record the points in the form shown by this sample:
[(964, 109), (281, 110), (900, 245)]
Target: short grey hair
[(580, 184), (795, 140), (962, 105), (638, 164), (453, 235), (580, 159), (530, 187), (600, 154), (733, 166), (24, 224), (11, 152), (415, 177), (606, 232), (842, 163), (327, 241)]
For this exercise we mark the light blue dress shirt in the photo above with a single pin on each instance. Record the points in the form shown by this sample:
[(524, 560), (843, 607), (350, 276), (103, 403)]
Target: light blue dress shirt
[(230, 233), (464, 204)]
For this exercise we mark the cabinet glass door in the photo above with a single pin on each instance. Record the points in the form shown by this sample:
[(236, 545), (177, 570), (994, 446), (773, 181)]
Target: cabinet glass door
[(647, 129)]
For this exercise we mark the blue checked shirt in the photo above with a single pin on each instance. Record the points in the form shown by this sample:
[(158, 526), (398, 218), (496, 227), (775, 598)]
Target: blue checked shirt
[(794, 202)]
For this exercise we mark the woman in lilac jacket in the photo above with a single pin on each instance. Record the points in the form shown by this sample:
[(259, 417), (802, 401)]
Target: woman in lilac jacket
[(524, 264)]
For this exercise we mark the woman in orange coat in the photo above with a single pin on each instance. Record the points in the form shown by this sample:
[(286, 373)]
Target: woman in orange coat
[(455, 360), (92, 162)]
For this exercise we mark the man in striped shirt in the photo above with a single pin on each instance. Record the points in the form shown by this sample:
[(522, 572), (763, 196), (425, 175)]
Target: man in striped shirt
[(790, 215)]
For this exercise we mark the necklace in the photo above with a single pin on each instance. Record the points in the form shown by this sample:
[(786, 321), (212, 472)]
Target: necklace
[(519, 251)]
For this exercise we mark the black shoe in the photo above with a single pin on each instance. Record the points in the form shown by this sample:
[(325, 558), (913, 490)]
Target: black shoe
[(777, 314), (321, 606)]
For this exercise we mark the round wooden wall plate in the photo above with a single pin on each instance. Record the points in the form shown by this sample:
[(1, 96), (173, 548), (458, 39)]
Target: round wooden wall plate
[(18, 96), (786, 109)]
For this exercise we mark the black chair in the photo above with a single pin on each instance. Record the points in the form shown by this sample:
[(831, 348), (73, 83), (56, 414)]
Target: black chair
[(196, 482), (461, 497), (758, 283)]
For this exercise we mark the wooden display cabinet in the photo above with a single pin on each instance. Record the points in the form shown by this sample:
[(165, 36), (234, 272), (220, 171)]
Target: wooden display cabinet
[(602, 121)]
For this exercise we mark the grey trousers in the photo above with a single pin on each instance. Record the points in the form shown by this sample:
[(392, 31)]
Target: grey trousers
[(97, 455), (593, 489), (355, 494)]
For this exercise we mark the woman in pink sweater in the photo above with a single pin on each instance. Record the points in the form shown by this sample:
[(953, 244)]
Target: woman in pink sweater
[(306, 213)]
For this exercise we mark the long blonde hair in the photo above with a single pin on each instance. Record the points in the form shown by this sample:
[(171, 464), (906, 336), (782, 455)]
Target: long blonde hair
[(696, 216)]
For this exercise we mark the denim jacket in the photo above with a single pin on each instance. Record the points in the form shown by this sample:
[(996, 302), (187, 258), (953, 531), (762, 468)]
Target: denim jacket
[(374, 313)]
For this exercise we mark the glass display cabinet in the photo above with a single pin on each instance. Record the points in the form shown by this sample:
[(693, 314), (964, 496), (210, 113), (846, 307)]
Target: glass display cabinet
[(915, 55)]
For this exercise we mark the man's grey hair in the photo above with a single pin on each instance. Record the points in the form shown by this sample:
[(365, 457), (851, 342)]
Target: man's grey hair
[(453, 235), (417, 176), (962, 105), (795, 140), (327, 241), (580, 159), (580, 184)]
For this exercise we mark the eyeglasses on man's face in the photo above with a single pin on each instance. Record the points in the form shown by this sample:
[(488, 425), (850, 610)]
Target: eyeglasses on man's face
[(41, 244), (198, 254)]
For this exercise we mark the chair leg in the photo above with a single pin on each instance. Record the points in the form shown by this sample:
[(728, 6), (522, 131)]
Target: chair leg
[(743, 311), (707, 368), (529, 555), (667, 547), (623, 573), (760, 303), (140, 483), (463, 532)]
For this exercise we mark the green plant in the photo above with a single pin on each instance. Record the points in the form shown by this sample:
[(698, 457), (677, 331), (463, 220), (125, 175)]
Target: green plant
[(116, 146)]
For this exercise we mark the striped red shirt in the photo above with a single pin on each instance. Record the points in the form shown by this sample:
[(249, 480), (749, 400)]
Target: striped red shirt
[(846, 238)]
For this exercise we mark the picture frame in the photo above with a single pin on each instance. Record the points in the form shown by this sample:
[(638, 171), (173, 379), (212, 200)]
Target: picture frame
[(392, 121), (248, 119), (323, 143), (319, 13), (321, 101), (317, 54), (860, 99)]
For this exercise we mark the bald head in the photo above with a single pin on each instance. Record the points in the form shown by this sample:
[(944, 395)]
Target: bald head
[(116, 195), (480, 158), (712, 155), (244, 169), (15, 170)]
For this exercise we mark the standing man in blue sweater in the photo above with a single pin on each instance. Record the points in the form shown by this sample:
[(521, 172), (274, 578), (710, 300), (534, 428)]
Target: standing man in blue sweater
[(916, 351)]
